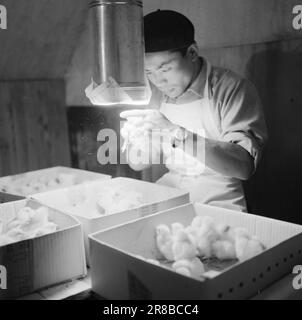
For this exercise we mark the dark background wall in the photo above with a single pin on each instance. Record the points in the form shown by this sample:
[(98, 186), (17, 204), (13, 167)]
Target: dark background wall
[(33, 125), (275, 69), (46, 63), (84, 125)]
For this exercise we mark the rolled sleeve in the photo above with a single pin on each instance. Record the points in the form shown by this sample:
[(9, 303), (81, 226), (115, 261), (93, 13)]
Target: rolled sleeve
[(242, 118)]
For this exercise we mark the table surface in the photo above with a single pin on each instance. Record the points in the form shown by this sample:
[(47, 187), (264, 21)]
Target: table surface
[(81, 290)]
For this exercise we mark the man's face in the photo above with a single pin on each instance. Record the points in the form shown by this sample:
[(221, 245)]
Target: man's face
[(169, 71)]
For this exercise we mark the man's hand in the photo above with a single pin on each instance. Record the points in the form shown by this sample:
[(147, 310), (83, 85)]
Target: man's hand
[(145, 130), (134, 133), (155, 119), (145, 122)]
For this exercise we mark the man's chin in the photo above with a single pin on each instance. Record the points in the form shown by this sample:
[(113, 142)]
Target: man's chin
[(173, 94)]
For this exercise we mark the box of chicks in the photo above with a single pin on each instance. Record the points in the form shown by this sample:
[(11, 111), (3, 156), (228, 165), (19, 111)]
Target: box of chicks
[(194, 251), (25, 184), (39, 247), (103, 204)]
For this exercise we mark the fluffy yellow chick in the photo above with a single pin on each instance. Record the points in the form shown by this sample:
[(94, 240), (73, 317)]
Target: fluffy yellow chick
[(224, 250), (206, 236), (184, 271), (197, 221), (25, 215), (164, 241), (194, 266), (247, 248), (183, 247), (175, 227)]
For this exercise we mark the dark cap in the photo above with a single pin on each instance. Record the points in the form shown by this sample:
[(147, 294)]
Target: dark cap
[(167, 30)]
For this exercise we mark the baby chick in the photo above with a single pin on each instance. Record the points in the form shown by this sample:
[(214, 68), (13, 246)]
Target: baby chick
[(222, 230), (153, 261), (38, 220), (50, 227), (175, 227), (184, 271), (194, 266), (241, 232), (197, 221), (205, 237), (247, 248), (25, 215), (16, 234), (204, 247), (164, 241), (224, 250), (182, 246), (192, 233)]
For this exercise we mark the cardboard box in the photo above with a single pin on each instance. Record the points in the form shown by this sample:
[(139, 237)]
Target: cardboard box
[(32, 182), (44, 261), (155, 198), (117, 273)]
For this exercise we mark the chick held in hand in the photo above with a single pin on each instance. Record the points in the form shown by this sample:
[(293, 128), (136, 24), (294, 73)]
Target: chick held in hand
[(135, 128), (140, 138), (143, 122)]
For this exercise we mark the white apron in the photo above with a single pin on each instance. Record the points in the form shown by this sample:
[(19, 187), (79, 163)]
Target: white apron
[(204, 184)]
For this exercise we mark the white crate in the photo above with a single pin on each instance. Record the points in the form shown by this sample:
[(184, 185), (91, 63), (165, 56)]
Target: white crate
[(118, 274), (155, 198), (44, 261), (16, 185)]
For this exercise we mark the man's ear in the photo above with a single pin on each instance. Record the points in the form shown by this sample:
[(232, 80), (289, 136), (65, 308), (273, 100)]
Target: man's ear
[(193, 52)]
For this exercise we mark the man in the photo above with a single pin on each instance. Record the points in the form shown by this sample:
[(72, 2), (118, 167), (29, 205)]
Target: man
[(192, 96)]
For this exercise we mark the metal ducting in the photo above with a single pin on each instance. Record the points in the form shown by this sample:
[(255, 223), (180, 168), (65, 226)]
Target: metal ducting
[(119, 47)]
